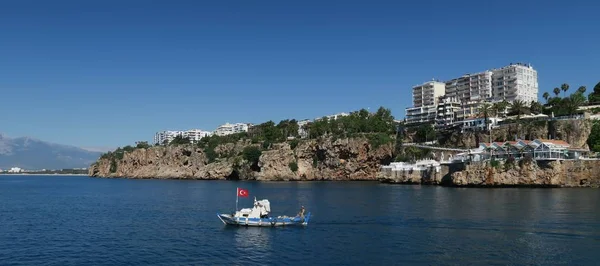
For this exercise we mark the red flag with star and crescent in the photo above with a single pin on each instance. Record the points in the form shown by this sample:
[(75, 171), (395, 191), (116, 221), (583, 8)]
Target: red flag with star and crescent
[(242, 192)]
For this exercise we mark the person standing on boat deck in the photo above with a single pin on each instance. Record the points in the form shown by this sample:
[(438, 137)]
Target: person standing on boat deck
[(301, 213)]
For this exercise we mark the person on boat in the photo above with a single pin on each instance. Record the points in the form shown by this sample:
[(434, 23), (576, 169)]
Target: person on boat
[(302, 211)]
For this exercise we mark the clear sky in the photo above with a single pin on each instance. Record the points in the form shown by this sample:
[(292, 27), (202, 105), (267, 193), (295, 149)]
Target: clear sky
[(108, 73)]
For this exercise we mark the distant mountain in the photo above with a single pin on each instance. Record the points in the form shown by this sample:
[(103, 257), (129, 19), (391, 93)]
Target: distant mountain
[(29, 153)]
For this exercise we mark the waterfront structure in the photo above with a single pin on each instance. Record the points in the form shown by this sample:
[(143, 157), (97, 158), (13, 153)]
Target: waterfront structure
[(420, 166), (515, 82), (15, 170), (538, 149), (228, 129)]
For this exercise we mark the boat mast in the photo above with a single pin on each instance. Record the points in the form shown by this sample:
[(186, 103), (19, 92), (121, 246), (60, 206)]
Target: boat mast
[(237, 196)]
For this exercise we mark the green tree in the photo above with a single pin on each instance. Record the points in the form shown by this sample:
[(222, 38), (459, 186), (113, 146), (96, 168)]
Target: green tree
[(180, 140), (546, 96), (594, 97), (518, 107), (564, 87), (252, 155), (593, 140), (572, 104), (485, 110), (535, 107), (142, 145), (425, 133), (556, 91), (581, 89), (293, 166)]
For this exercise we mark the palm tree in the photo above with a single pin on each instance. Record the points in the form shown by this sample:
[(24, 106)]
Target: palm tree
[(564, 88), (500, 107), (495, 110), (556, 91), (582, 89), (535, 107), (573, 103), (485, 110), (519, 107), (546, 96)]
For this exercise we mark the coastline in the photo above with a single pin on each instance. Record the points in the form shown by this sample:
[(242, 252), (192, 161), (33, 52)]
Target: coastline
[(45, 174)]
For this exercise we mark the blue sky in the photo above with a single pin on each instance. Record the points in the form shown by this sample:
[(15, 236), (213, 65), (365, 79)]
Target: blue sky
[(109, 73)]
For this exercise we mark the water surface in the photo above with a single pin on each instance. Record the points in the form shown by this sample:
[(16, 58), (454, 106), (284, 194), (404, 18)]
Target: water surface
[(75, 220)]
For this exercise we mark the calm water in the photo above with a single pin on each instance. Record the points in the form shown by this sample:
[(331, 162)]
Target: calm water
[(61, 220)]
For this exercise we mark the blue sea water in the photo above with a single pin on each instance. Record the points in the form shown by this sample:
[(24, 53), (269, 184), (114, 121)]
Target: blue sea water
[(75, 220)]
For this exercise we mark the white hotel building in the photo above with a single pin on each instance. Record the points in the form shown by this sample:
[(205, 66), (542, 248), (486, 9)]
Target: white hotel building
[(425, 99), (228, 129), (513, 82), (168, 135)]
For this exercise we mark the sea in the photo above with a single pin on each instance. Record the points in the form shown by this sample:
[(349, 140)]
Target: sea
[(78, 220)]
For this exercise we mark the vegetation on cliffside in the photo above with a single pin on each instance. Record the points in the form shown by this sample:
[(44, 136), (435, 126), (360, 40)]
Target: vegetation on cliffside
[(378, 128)]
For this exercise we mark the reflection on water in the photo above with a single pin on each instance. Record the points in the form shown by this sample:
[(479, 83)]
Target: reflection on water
[(252, 237)]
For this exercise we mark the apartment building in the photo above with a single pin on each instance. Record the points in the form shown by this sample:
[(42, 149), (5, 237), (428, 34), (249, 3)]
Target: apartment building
[(447, 111), (196, 134), (333, 117), (423, 114), (167, 136), (425, 99), (428, 93), (228, 129), (471, 87), (515, 82)]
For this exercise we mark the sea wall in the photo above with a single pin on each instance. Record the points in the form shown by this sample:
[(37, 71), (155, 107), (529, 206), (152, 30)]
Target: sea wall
[(567, 173)]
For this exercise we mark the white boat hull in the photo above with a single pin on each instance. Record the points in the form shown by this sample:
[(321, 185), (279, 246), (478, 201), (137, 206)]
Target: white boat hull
[(264, 222)]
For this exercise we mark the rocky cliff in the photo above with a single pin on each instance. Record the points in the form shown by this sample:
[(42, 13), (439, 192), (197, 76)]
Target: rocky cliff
[(575, 132), (578, 173), (324, 159)]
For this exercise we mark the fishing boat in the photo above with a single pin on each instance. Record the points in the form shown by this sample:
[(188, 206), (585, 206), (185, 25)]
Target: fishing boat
[(259, 215)]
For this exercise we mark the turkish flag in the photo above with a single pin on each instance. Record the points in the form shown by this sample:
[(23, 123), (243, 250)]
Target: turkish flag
[(242, 192)]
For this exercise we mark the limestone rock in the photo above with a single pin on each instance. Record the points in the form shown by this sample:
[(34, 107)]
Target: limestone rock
[(323, 159)]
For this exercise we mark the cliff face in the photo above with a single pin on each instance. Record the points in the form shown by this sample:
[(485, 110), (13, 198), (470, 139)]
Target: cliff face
[(342, 159), (584, 173), (575, 132), (541, 174)]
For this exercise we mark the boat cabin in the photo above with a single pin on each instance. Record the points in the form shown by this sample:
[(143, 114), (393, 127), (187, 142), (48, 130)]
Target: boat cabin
[(261, 209)]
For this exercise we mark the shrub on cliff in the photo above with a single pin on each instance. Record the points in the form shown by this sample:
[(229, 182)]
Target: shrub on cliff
[(361, 121), (179, 140), (113, 165), (376, 140), (293, 166), (252, 154), (142, 145), (294, 144), (593, 140)]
